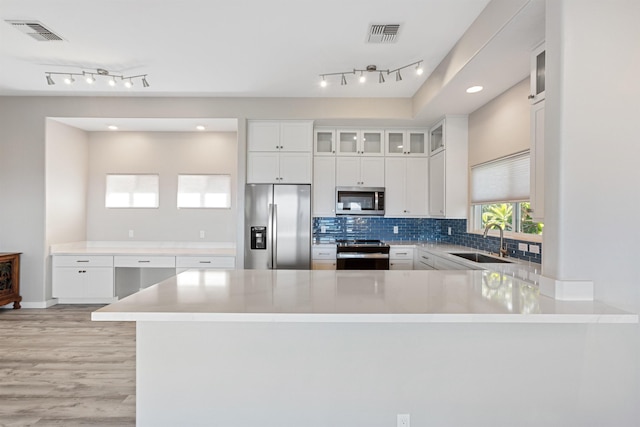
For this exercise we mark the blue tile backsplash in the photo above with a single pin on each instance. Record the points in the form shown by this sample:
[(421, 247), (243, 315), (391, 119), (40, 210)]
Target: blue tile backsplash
[(413, 229)]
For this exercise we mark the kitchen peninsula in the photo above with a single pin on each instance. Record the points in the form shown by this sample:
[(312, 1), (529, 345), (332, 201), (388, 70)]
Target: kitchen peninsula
[(317, 348)]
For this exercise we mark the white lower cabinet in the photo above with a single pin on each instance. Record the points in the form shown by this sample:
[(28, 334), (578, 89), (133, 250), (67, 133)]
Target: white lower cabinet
[(426, 260), (400, 258), (184, 263), (323, 257), (83, 278)]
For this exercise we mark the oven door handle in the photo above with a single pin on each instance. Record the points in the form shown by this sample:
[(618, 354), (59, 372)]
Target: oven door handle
[(356, 255)]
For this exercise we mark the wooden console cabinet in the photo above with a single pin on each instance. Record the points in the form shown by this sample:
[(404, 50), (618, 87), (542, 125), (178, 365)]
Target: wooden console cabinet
[(10, 279)]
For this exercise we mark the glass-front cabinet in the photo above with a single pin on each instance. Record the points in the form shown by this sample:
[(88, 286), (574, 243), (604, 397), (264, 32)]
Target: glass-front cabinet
[(436, 138), (360, 142), (324, 142), (538, 62), (401, 142)]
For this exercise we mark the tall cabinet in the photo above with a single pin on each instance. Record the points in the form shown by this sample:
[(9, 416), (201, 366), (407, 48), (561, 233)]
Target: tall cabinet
[(448, 168), (537, 99), (279, 152)]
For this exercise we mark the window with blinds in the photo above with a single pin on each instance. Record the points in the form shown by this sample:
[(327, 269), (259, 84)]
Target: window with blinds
[(204, 191), (132, 191), (500, 195), (502, 180)]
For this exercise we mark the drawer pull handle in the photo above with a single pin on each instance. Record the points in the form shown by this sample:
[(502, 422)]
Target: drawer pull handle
[(324, 253), (401, 253), (424, 257), (82, 260), (146, 260), (205, 262)]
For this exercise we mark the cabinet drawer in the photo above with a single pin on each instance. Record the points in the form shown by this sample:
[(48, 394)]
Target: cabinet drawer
[(155, 261), (425, 261), (400, 253), (323, 253), (401, 264), (82, 261), (205, 262)]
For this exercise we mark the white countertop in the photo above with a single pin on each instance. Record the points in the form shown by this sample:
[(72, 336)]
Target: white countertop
[(144, 248), (353, 296)]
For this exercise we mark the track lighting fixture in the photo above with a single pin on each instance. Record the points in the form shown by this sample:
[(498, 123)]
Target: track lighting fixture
[(90, 77), (370, 69)]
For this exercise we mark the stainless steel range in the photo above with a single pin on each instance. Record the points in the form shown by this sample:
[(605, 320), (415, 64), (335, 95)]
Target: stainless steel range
[(362, 255)]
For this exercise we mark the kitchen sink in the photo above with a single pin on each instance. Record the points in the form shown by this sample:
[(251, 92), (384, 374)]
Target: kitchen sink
[(481, 258)]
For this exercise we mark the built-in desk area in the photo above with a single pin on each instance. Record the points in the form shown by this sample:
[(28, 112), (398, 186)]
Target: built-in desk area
[(103, 272)]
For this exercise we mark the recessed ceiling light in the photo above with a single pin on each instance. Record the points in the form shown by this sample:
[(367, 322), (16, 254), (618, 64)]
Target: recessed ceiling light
[(112, 127), (474, 89), (200, 127)]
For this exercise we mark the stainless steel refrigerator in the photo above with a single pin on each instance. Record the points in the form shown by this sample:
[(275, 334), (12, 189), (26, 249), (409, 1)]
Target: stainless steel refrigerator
[(277, 227)]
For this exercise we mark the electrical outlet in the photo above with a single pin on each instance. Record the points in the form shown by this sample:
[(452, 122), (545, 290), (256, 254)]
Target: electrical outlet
[(449, 231), (404, 420), (323, 228), (523, 247), (395, 229), (534, 249), (202, 234), (130, 234)]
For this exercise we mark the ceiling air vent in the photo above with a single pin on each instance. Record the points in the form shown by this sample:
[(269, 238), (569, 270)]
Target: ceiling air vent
[(36, 30), (383, 33)]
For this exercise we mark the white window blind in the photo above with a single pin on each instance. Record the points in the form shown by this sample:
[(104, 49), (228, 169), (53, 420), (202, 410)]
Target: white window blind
[(502, 180), (132, 191), (204, 191)]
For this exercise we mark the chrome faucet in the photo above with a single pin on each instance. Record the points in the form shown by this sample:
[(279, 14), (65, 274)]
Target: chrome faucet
[(503, 248)]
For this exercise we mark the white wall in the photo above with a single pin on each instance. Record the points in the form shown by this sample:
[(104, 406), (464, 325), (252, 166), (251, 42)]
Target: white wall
[(591, 147), (66, 177), (501, 126), (167, 154), (67, 167)]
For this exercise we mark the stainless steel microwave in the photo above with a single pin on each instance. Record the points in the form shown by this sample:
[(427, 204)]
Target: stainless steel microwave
[(359, 200)]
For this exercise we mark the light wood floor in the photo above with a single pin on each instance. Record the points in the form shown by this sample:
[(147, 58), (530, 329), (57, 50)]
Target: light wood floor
[(58, 368)]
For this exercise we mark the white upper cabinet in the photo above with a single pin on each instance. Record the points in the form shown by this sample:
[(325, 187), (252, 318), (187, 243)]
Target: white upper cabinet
[(279, 152), (406, 142), (360, 172), (437, 137), (324, 142), (448, 168), (360, 142), (406, 187), (537, 80), (536, 189), (269, 135), (324, 186)]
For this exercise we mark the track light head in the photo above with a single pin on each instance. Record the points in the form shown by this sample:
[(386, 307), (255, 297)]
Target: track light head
[(343, 82), (419, 69), (398, 76), (128, 84), (362, 78), (69, 80), (145, 83), (50, 81), (90, 79), (323, 82), (381, 78)]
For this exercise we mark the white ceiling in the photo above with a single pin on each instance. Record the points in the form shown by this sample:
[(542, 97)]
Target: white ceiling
[(259, 48)]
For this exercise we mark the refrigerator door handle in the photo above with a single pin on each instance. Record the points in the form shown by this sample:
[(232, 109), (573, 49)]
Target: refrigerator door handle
[(274, 236), (270, 238)]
